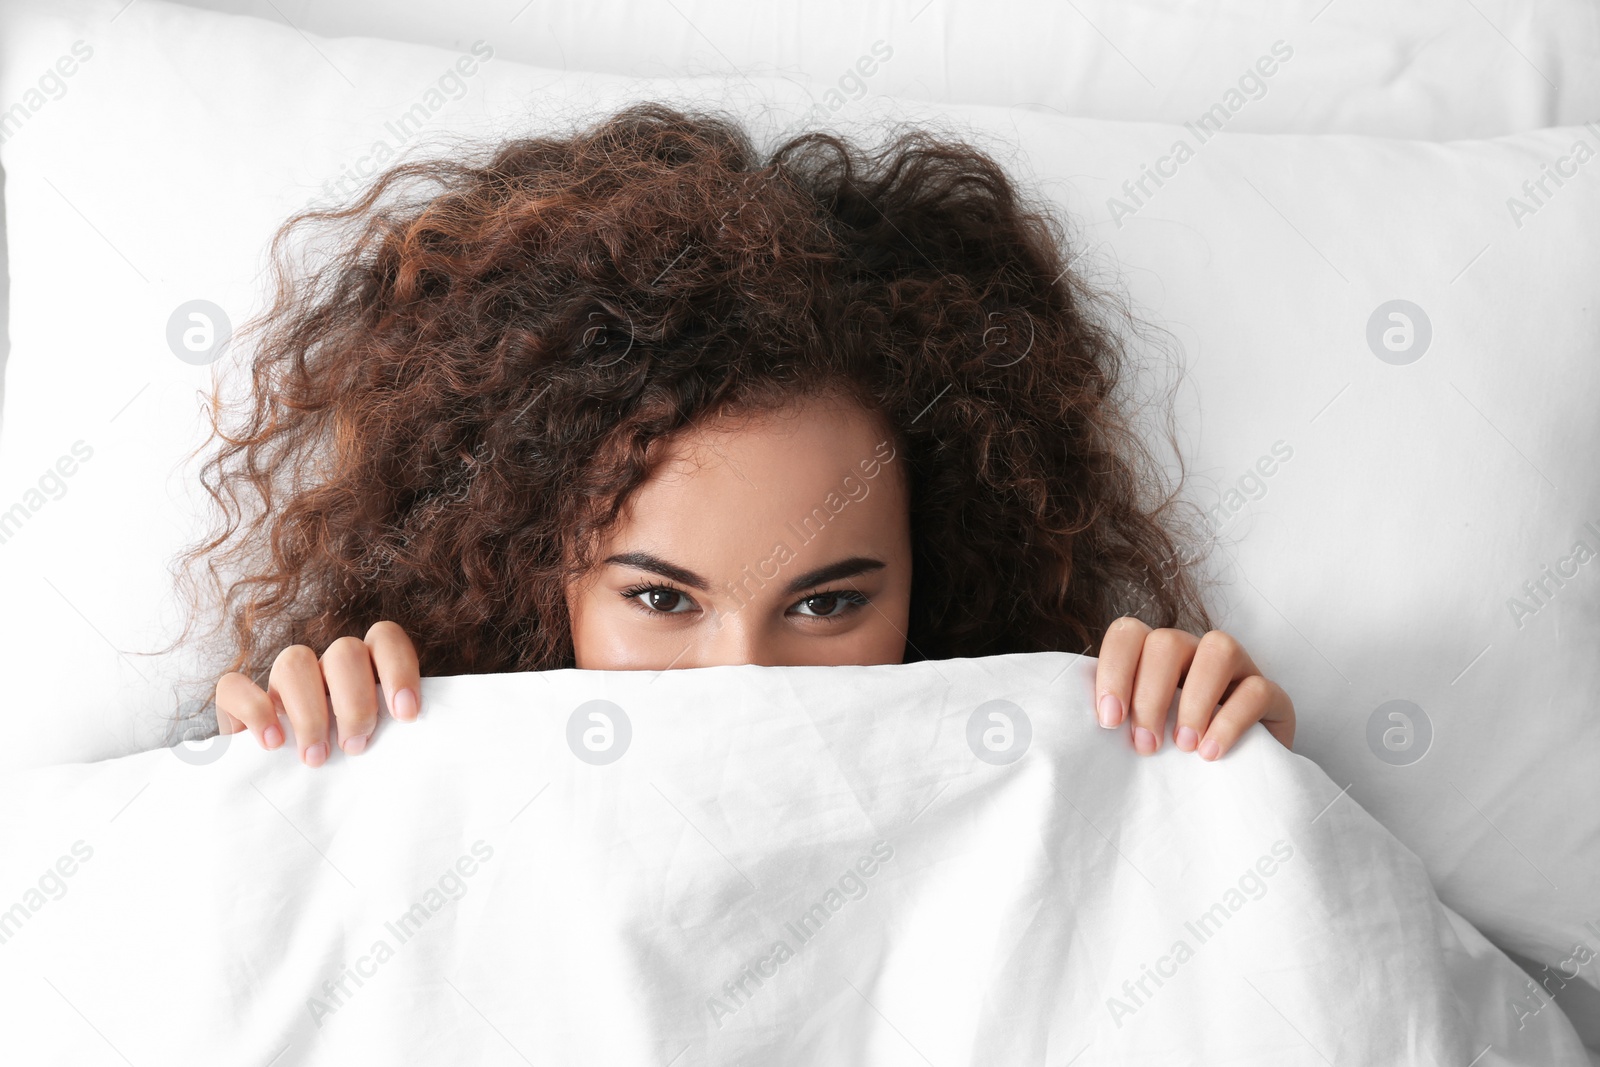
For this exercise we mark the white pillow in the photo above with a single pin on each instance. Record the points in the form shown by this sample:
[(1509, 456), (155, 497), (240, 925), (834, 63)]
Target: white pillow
[(1430, 69), (1383, 513), (1421, 70)]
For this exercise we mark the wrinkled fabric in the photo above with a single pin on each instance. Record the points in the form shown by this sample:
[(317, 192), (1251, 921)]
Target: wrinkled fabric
[(942, 862)]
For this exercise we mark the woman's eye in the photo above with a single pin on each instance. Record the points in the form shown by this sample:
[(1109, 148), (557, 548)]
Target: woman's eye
[(659, 600), (832, 605), (663, 600)]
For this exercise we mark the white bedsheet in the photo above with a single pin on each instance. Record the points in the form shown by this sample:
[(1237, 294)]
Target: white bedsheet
[(783, 865)]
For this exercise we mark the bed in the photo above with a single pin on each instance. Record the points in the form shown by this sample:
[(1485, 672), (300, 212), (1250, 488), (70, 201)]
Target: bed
[(1370, 275)]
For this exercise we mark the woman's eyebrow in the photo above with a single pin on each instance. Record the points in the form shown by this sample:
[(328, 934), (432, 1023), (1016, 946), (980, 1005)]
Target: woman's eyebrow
[(844, 568), (644, 561)]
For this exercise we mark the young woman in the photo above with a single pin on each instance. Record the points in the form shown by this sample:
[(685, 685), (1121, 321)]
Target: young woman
[(639, 398)]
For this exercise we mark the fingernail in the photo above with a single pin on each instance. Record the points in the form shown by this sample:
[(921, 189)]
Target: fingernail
[(354, 746), (1110, 710), (1187, 738), (316, 754), (272, 736), (1144, 740), (1209, 748), (405, 705)]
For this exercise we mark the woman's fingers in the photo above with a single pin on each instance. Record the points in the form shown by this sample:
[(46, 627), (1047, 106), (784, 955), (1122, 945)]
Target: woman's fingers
[(395, 658), (307, 688), (1162, 662), (347, 672), (1219, 662), (1279, 719), (1254, 699), (296, 684), (1138, 673), (1113, 677), (226, 723), (1222, 693), (241, 703)]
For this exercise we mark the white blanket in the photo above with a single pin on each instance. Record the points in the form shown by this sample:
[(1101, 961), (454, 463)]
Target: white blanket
[(751, 865)]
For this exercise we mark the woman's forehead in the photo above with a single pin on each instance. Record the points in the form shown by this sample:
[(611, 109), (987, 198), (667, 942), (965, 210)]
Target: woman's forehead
[(802, 451), (742, 486)]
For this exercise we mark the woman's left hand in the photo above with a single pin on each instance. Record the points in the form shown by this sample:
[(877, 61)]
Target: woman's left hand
[(1149, 665)]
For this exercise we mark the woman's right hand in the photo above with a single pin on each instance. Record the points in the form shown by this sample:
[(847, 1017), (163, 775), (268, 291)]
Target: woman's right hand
[(301, 686)]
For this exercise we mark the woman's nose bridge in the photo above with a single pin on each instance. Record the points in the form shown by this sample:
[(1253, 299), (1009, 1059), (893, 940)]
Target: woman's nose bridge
[(734, 638)]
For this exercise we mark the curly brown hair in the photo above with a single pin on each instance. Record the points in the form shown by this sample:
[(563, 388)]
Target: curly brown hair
[(444, 416)]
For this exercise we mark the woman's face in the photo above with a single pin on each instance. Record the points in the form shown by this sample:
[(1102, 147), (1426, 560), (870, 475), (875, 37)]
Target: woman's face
[(778, 539)]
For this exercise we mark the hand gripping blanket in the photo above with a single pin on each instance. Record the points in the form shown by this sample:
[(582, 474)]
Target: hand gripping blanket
[(940, 863)]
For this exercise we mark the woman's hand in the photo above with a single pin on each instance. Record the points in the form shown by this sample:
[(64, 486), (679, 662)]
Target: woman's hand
[(1149, 665), (301, 685)]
